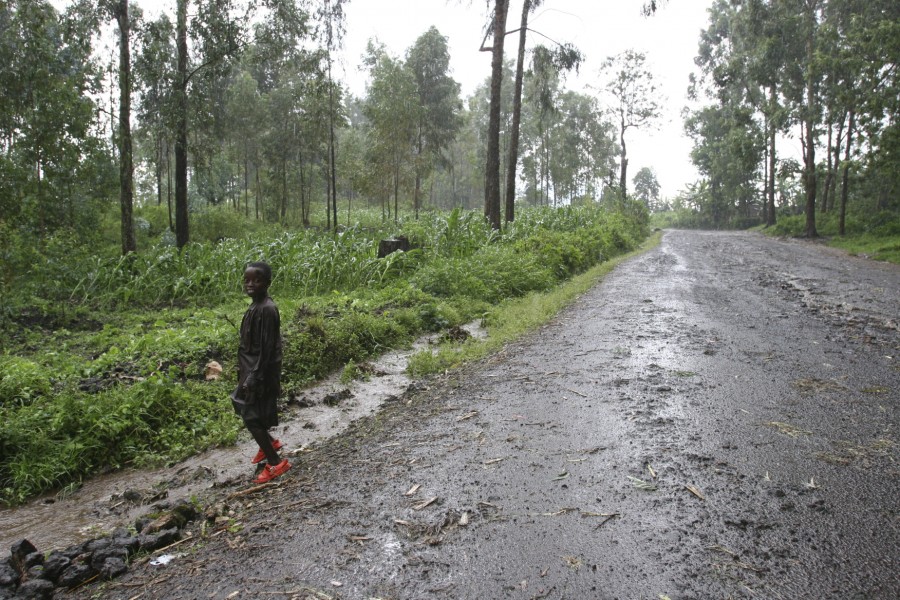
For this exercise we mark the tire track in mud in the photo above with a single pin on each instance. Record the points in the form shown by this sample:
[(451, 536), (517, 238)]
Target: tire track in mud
[(689, 428)]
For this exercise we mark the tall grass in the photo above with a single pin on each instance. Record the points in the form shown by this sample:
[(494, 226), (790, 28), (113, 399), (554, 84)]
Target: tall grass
[(119, 381)]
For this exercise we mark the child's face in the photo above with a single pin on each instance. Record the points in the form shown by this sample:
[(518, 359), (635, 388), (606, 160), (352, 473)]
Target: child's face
[(255, 284)]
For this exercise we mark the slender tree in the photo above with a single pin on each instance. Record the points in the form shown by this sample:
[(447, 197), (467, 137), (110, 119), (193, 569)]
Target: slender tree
[(331, 17), (527, 7), (438, 94), (492, 165), (126, 168), (182, 231), (636, 100)]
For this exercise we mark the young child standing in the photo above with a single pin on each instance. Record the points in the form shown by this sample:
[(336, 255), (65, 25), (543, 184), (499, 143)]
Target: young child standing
[(259, 370)]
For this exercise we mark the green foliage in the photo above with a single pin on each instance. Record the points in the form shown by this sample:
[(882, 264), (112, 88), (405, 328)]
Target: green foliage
[(767, 67), (54, 441), (105, 378), (22, 380), (493, 273), (876, 235), (351, 372), (218, 223)]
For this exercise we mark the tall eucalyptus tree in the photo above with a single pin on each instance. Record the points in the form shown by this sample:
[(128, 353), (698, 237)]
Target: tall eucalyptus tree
[(636, 100), (394, 113), (440, 105), (492, 166)]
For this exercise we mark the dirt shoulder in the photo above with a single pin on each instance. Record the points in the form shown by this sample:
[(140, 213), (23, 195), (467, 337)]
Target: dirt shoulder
[(718, 418)]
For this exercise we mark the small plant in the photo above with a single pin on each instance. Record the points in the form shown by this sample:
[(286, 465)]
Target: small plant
[(353, 372)]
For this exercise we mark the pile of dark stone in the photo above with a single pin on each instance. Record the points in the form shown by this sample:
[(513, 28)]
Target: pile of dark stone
[(29, 574)]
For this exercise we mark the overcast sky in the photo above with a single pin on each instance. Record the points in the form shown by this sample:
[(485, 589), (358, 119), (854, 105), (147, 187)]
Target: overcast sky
[(599, 28)]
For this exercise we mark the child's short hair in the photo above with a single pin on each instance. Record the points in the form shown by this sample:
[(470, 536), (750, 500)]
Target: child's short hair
[(262, 267)]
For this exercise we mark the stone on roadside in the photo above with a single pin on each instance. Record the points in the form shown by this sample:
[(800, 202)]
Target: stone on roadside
[(75, 575), (34, 559), (19, 553), (113, 567), (35, 589), (9, 576), (154, 541), (99, 558), (128, 543), (55, 564)]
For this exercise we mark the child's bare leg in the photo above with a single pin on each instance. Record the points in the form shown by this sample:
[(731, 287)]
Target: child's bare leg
[(265, 443)]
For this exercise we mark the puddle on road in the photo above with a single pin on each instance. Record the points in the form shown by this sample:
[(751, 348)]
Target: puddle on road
[(115, 500)]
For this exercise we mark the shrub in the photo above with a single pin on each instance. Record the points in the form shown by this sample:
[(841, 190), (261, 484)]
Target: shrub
[(21, 380), (56, 441)]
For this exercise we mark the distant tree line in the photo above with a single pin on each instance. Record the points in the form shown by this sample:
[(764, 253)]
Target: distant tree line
[(234, 105), (826, 72)]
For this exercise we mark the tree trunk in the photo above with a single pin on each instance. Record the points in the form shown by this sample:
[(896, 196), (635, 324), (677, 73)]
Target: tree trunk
[(182, 235), (396, 190), (809, 118), (516, 118), (418, 187), (126, 168), (770, 214), (331, 109), (765, 203), (845, 173), (159, 159), (623, 173), (304, 196), (284, 192), (169, 185), (836, 161), (492, 166), (829, 168)]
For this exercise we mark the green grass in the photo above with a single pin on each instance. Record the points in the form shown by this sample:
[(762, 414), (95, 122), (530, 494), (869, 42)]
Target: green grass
[(886, 248), (876, 236), (103, 361)]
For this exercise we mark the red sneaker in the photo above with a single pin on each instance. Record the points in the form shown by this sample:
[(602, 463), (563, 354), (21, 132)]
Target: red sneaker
[(269, 472), (261, 456)]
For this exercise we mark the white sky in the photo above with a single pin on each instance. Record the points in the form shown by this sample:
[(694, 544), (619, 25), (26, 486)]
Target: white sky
[(599, 28)]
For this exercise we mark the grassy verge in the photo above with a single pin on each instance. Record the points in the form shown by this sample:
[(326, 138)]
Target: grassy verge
[(877, 238), (886, 248), (516, 317), (104, 366)]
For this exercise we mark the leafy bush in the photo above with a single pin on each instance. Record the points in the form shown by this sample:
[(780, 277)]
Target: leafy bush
[(22, 380), (494, 272), (56, 441), (316, 344)]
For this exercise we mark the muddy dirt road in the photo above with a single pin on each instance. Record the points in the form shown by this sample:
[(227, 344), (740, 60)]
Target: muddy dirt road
[(717, 419)]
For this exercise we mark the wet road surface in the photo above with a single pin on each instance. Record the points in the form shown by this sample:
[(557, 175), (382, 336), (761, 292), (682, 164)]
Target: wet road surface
[(717, 419)]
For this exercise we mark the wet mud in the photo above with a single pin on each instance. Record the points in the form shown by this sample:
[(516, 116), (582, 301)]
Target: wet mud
[(104, 503), (717, 419)]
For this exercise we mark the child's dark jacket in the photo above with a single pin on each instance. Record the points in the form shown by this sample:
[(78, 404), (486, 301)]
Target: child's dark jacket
[(259, 360)]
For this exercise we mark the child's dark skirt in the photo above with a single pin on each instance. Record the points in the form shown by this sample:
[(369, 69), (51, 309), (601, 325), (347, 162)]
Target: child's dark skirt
[(261, 412)]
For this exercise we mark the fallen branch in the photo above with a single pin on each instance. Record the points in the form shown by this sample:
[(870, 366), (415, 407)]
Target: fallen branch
[(606, 520)]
